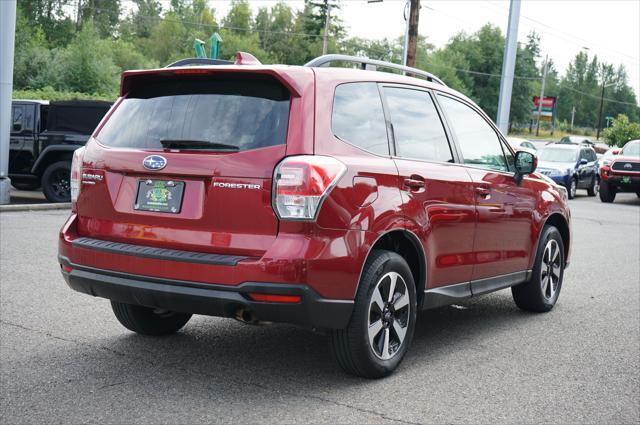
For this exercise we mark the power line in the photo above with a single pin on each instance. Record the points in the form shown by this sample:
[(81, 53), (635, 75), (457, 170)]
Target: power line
[(216, 26), (582, 42), (598, 97)]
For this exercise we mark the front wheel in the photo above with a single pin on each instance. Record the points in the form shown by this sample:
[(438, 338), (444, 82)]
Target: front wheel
[(56, 182), (607, 192), (541, 292), (149, 321), (383, 320)]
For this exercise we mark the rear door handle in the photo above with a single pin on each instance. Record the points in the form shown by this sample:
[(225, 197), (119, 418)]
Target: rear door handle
[(414, 182)]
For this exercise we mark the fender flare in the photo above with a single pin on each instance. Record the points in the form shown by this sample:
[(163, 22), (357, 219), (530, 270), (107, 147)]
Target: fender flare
[(43, 159)]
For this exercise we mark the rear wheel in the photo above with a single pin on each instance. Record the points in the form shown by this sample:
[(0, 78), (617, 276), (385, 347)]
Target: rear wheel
[(541, 292), (594, 188), (572, 188), (607, 192), (383, 320), (56, 182), (149, 321)]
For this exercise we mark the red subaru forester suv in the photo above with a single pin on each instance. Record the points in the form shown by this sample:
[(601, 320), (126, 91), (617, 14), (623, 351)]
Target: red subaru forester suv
[(343, 200)]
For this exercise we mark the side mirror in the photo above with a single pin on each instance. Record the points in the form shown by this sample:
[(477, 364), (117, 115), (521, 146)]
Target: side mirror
[(17, 127), (583, 161), (615, 151), (526, 163)]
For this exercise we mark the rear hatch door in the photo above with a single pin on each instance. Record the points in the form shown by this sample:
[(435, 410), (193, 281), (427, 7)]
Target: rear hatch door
[(185, 161)]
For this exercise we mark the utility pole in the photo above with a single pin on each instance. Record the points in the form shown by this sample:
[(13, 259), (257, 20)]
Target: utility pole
[(325, 38), (544, 80), (78, 13), (508, 67), (411, 39), (7, 40), (573, 113), (601, 105)]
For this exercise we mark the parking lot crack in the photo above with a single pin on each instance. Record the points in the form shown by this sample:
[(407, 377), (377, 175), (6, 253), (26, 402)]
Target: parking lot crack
[(197, 372)]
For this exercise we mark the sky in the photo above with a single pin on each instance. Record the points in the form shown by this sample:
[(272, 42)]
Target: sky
[(608, 28)]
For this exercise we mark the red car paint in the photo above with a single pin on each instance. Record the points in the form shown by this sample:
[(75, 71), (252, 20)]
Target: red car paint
[(468, 223)]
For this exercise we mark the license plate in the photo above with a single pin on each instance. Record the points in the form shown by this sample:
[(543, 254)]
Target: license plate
[(626, 179), (159, 196)]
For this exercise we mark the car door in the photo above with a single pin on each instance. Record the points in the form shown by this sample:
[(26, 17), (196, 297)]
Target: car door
[(505, 233), (437, 193)]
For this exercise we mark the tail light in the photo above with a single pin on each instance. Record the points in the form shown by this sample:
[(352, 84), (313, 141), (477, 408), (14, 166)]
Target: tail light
[(76, 175), (300, 184)]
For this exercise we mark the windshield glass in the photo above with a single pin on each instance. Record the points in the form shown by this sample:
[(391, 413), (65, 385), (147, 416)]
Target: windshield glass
[(215, 112), (632, 149), (557, 155)]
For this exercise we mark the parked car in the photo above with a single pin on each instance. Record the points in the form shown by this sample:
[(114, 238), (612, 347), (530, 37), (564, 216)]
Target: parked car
[(516, 143), (621, 173), (44, 136), (575, 140), (601, 148), (337, 199), (572, 166), (607, 157)]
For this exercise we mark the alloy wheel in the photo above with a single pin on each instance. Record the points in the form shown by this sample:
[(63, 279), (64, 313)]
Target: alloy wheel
[(389, 312), (61, 183), (551, 269)]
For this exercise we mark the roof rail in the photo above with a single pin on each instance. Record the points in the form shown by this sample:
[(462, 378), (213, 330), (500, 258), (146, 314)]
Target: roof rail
[(198, 61), (372, 65)]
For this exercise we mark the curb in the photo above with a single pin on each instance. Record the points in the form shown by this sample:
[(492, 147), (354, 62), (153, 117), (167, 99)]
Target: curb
[(35, 207)]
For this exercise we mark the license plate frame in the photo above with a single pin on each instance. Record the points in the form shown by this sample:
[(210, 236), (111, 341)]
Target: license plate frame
[(158, 195)]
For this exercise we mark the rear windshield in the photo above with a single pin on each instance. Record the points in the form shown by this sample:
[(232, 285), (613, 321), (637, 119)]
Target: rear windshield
[(241, 113)]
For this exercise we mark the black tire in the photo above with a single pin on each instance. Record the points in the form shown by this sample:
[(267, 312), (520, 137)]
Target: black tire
[(607, 192), (594, 188), (572, 188), (534, 295), (351, 346), (26, 185), (149, 321), (56, 182)]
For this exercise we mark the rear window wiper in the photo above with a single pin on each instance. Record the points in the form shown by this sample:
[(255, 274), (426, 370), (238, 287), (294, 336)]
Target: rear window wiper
[(196, 144)]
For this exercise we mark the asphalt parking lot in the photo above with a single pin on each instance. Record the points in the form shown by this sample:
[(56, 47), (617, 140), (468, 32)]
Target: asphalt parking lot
[(64, 358)]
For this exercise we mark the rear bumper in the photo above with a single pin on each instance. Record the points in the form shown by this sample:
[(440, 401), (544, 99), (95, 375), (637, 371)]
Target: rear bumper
[(210, 299)]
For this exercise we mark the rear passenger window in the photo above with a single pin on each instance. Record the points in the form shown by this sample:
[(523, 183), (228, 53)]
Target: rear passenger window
[(478, 140), (417, 129), (358, 117)]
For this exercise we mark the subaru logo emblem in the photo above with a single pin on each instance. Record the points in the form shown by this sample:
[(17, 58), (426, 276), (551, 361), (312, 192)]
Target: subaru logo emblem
[(627, 165), (154, 162)]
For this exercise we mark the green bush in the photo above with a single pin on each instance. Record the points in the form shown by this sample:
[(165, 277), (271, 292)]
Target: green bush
[(621, 131), (49, 93)]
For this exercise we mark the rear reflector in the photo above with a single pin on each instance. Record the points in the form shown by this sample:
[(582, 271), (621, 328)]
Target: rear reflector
[(66, 269), (270, 298)]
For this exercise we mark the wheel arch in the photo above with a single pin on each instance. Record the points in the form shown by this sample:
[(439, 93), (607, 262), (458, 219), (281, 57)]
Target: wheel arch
[(406, 244), (558, 221)]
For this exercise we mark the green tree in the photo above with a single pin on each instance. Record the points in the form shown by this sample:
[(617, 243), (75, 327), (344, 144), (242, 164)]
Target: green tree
[(105, 15), (239, 18), (142, 20), (85, 65)]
